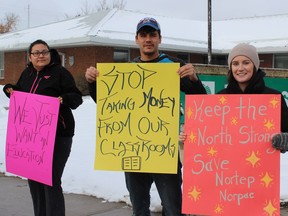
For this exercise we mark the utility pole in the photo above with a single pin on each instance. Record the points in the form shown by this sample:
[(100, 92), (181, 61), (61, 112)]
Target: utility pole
[(28, 15), (209, 32)]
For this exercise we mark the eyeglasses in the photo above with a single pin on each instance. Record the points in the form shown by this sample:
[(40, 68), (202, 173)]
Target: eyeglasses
[(37, 53)]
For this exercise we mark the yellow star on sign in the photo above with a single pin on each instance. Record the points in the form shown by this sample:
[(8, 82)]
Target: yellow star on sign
[(223, 100), (212, 152), (274, 102), (195, 194), (234, 121), (218, 209), (268, 124), (192, 137), (253, 159), (266, 179), (270, 209), (189, 113)]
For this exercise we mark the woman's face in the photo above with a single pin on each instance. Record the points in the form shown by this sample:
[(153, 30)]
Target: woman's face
[(39, 56), (242, 70)]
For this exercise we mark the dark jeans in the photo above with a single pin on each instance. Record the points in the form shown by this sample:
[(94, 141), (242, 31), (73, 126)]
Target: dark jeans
[(47, 200), (168, 186)]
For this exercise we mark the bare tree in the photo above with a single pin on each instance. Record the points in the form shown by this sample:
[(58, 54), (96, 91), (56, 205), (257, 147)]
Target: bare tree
[(120, 4), (101, 5), (86, 9), (9, 23)]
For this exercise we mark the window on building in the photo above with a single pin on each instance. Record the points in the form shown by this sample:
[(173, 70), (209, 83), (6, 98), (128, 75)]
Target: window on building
[(184, 57), (1, 65), (220, 59), (216, 59), (281, 61), (121, 55)]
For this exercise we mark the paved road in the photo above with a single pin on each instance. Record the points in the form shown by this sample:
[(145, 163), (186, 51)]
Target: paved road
[(15, 200)]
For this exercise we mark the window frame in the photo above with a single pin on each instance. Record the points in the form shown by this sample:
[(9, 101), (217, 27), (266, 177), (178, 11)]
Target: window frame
[(2, 65), (284, 60), (121, 51)]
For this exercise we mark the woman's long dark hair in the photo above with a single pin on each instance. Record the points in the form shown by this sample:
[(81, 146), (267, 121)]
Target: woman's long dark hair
[(55, 57), (39, 41)]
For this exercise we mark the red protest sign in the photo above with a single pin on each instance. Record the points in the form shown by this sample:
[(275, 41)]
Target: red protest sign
[(230, 167)]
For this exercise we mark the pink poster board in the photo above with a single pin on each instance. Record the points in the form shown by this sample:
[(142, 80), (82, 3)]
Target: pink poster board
[(31, 131), (230, 167)]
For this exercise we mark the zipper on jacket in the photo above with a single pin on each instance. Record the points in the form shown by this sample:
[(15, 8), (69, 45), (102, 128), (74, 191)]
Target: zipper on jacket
[(35, 83), (62, 120)]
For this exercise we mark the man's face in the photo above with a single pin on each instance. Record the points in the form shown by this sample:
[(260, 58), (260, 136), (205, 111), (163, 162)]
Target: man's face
[(148, 40)]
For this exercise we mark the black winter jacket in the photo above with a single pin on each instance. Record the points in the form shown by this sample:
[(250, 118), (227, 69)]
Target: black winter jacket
[(54, 80), (186, 85), (257, 86)]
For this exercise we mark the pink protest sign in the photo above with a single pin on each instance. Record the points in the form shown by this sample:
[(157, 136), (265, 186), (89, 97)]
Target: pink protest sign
[(230, 167), (31, 131)]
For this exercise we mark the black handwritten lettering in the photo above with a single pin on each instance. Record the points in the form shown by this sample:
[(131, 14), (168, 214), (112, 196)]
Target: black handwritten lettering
[(161, 102), (126, 79), (141, 146), (106, 126), (145, 126), (115, 106)]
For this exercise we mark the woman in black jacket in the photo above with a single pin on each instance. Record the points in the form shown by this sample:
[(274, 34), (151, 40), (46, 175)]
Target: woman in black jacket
[(245, 77), (45, 76)]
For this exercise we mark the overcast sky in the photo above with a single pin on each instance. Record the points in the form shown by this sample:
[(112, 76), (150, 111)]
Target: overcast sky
[(46, 11)]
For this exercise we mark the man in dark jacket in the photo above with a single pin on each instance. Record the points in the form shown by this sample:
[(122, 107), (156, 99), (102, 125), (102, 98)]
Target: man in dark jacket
[(148, 37)]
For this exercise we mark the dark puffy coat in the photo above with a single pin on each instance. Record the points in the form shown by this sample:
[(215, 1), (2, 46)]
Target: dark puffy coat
[(54, 80), (257, 86)]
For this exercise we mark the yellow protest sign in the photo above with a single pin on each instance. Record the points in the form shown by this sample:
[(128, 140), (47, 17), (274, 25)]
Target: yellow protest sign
[(137, 117)]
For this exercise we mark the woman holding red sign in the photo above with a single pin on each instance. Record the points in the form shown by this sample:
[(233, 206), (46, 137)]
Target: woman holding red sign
[(245, 77)]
